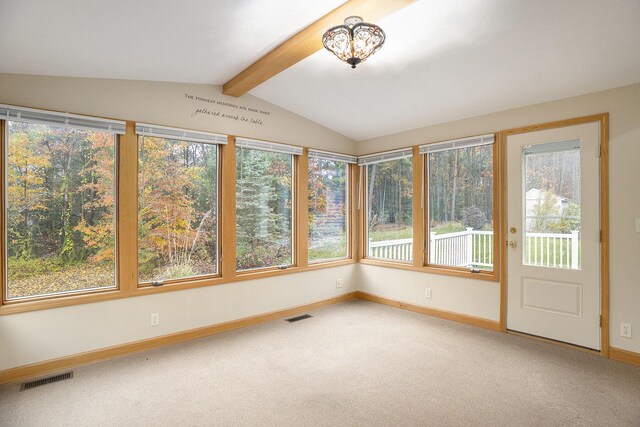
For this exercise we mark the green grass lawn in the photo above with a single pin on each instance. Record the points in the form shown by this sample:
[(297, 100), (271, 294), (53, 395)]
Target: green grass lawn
[(322, 253), (393, 234), (448, 227), (538, 253), (407, 232)]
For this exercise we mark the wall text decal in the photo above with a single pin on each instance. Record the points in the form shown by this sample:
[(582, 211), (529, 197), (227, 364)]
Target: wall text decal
[(219, 109)]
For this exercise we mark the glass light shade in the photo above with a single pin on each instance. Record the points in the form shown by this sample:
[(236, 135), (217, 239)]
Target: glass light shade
[(354, 41)]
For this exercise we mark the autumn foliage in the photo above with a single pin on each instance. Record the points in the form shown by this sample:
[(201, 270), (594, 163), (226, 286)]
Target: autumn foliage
[(177, 209), (60, 191)]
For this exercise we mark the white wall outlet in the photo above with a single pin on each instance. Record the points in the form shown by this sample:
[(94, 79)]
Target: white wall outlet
[(427, 293), (625, 330), (155, 319), (339, 283)]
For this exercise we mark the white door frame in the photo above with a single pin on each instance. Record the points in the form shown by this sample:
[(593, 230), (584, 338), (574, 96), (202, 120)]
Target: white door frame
[(603, 120)]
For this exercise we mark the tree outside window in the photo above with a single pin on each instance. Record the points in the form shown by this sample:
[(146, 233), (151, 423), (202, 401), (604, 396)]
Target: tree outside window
[(61, 209), (264, 197), (177, 209)]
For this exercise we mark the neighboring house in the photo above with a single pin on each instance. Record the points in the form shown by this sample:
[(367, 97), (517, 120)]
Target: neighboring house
[(549, 212), (535, 197)]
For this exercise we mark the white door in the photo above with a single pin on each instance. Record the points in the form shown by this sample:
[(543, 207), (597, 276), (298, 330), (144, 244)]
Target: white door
[(553, 234)]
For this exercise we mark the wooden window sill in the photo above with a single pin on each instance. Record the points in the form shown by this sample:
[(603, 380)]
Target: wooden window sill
[(483, 276), (112, 294)]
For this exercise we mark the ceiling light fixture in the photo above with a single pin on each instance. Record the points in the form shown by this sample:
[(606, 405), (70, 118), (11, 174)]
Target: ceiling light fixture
[(354, 41)]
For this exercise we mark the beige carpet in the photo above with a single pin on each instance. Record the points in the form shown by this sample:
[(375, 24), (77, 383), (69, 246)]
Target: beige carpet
[(356, 363)]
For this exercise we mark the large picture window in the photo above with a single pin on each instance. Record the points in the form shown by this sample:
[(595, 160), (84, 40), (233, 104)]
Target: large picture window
[(389, 205), (328, 206), (60, 198), (264, 204), (177, 206), (460, 203)]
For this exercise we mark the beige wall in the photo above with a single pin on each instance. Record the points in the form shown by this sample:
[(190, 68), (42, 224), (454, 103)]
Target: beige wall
[(477, 298), (167, 104), (46, 334), (41, 335), (482, 299)]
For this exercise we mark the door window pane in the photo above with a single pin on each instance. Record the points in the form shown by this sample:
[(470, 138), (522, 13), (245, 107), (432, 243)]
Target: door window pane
[(177, 209), (552, 205), (460, 189), (264, 222), (61, 209), (327, 209), (389, 209)]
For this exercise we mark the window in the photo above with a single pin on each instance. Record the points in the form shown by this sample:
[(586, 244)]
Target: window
[(552, 205), (60, 203), (177, 204), (460, 203), (64, 201), (328, 212), (264, 202), (389, 205)]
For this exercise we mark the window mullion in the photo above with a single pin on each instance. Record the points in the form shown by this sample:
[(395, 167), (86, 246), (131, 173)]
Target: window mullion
[(228, 209), (418, 206), (127, 210), (301, 200), (3, 207), (361, 246)]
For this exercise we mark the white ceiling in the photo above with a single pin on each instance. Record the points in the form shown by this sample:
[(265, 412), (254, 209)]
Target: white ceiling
[(443, 60), (447, 60), (189, 41)]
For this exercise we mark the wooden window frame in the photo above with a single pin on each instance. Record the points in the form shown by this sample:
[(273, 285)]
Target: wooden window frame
[(127, 231), (363, 229), (420, 239), (169, 282), (5, 303), (494, 274), (350, 216), (296, 235)]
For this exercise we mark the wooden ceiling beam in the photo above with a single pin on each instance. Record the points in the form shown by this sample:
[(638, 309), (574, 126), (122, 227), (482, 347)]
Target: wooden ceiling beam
[(307, 42)]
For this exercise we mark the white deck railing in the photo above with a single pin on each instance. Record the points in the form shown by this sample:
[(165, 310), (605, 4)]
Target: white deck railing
[(553, 250), (475, 248), (398, 250)]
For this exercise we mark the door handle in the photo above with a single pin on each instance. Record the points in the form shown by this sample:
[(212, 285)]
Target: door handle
[(512, 243)]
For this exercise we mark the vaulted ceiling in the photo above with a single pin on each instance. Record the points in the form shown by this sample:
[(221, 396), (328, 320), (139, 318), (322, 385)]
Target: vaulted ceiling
[(442, 61)]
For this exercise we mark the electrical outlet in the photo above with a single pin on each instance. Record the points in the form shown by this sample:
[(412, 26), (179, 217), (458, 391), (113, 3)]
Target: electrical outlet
[(625, 330), (155, 319), (338, 283), (427, 293)]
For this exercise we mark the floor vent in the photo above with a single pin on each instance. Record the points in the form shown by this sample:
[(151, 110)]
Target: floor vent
[(295, 319), (47, 380)]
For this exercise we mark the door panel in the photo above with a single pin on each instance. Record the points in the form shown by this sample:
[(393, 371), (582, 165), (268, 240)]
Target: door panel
[(564, 299), (553, 253)]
